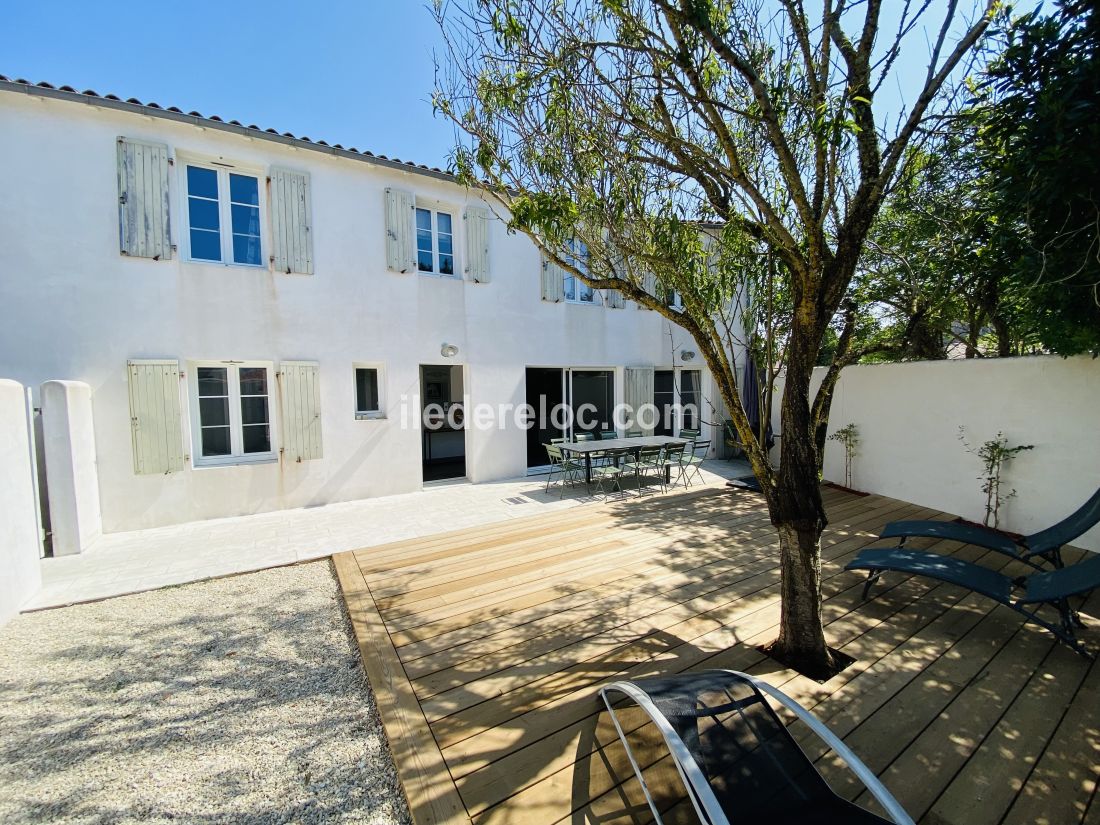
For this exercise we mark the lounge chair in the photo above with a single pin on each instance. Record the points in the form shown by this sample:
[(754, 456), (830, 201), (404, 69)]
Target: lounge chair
[(1050, 588), (736, 758), (1046, 544)]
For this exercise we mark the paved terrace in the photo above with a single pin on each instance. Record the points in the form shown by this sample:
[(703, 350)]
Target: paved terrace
[(485, 647), (132, 562)]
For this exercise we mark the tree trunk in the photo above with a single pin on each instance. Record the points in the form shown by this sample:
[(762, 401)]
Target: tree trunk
[(798, 514)]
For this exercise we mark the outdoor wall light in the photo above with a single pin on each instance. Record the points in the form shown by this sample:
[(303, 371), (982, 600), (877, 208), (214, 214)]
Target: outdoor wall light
[(448, 350), (686, 355)]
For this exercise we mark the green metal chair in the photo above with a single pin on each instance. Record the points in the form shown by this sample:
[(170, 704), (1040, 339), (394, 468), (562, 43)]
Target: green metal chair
[(690, 435), (634, 433), (731, 441), (692, 461), (649, 460), (579, 437), (612, 471), (569, 470), (672, 462), (606, 456)]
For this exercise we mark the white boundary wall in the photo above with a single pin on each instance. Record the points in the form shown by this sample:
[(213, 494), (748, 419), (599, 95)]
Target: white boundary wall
[(20, 576), (909, 417)]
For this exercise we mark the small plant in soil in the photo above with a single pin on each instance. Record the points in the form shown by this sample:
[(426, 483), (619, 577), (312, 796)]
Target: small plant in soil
[(849, 437), (994, 454)]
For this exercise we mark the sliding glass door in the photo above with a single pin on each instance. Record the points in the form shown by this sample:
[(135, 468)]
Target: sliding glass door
[(589, 395), (672, 389)]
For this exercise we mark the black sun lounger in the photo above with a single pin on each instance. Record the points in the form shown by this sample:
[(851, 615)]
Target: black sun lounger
[(1051, 588), (1046, 544), (736, 758)]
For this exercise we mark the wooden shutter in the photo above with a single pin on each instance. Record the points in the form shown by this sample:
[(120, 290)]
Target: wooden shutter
[(615, 299), (477, 244), (155, 419), (291, 222), (300, 392), (553, 281), (400, 230), (143, 219), (638, 390)]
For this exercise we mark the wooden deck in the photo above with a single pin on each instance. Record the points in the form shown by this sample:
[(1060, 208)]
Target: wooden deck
[(485, 648)]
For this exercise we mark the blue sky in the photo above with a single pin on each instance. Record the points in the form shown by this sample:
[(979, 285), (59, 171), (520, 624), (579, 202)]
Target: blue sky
[(354, 72)]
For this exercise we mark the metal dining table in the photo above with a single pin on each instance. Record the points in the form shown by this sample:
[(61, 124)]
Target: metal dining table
[(587, 448)]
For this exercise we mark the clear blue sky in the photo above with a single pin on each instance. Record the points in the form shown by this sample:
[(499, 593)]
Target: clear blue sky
[(354, 72), (357, 73)]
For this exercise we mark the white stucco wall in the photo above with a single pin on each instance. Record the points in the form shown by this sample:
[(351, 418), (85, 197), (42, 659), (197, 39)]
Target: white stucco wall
[(20, 576), (68, 440), (909, 417), (74, 309)]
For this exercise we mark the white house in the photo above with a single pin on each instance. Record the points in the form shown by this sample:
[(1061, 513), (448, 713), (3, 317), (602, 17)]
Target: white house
[(256, 314)]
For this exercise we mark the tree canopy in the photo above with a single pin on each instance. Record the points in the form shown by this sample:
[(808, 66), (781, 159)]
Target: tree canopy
[(731, 150)]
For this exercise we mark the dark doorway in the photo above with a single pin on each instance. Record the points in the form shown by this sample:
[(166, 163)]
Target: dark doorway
[(689, 398), (544, 392), (443, 426), (664, 397), (596, 389)]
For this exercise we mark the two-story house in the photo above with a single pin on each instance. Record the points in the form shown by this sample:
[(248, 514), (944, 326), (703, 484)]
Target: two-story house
[(261, 317)]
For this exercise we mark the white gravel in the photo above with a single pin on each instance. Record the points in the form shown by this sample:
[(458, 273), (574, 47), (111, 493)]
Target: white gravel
[(237, 700)]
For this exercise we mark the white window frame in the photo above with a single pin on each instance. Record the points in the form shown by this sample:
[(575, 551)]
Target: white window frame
[(225, 213), (434, 208), (236, 434), (578, 284), (674, 300), (369, 415)]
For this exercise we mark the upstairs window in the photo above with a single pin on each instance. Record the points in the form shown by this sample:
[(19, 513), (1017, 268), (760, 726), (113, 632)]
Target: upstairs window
[(223, 216), (673, 300), (434, 242), (233, 412), (576, 290)]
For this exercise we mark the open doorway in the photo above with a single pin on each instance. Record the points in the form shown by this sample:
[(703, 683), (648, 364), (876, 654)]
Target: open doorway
[(443, 433)]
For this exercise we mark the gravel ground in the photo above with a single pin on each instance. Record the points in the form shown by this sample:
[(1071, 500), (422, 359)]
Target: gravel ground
[(237, 700)]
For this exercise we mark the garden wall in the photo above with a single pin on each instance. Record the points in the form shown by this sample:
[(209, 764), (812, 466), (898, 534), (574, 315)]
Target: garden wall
[(909, 417), (20, 577)]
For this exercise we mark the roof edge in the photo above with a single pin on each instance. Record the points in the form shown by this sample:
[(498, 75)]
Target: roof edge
[(135, 107)]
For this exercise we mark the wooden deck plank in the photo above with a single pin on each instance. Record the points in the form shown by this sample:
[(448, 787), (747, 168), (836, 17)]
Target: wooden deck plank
[(432, 796), (501, 633)]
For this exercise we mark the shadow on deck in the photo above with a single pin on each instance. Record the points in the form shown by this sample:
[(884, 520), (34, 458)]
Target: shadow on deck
[(485, 648)]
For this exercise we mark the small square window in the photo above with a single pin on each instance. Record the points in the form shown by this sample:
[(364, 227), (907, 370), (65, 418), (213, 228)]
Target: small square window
[(368, 398)]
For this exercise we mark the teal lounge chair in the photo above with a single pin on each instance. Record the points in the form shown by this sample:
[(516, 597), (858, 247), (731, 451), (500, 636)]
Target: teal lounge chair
[(1048, 588), (1045, 545)]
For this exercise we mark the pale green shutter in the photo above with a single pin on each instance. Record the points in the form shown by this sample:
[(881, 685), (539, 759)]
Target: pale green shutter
[(155, 419), (553, 281), (143, 219), (615, 299), (477, 244), (291, 222), (638, 391), (400, 230), (300, 392)]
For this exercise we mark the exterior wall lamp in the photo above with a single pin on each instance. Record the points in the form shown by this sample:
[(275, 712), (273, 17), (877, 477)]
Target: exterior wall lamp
[(448, 350), (687, 355)]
